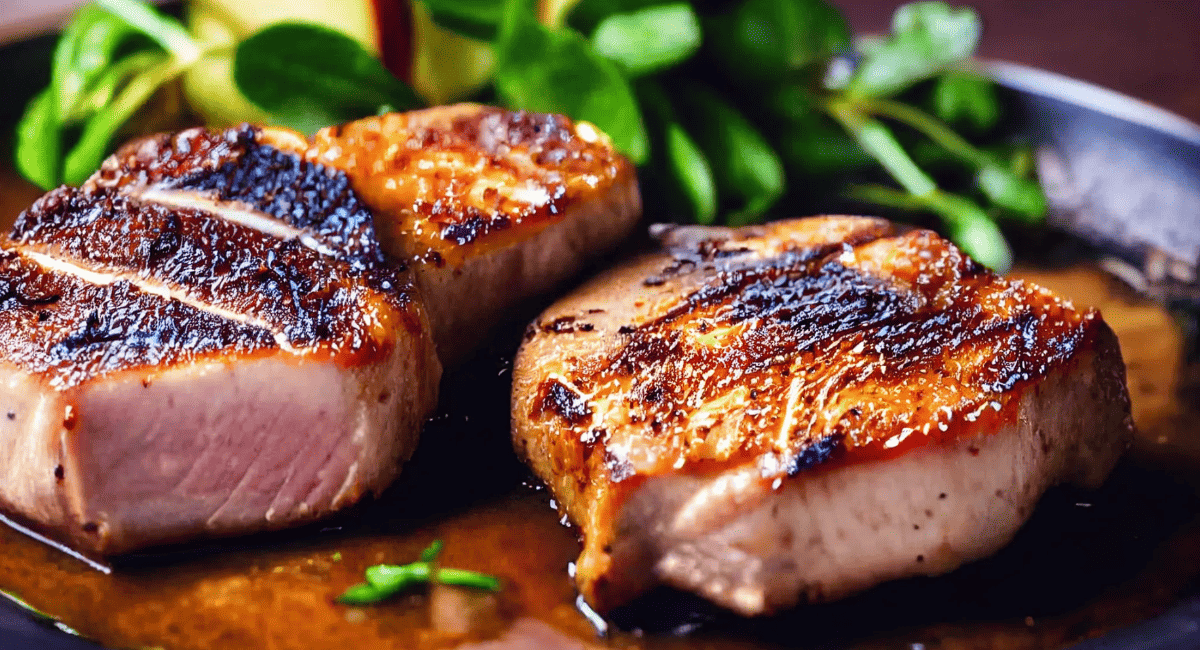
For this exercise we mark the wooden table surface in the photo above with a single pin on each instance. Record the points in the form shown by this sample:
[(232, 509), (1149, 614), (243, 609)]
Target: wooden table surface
[(1149, 49)]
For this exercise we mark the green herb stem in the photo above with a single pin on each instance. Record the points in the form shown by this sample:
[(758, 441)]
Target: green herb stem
[(465, 578), (93, 143), (167, 33), (384, 580), (967, 224), (879, 142), (933, 128)]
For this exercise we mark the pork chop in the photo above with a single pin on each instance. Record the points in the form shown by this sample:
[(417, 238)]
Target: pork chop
[(799, 411), (203, 340), (490, 206)]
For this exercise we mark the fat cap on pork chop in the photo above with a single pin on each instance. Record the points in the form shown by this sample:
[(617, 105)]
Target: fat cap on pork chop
[(203, 340), (799, 411), (490, 206)]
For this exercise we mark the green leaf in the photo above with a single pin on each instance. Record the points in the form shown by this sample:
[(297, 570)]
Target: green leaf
[(104, 87), (744, 165), (969, 227), (87, 154), (587, 15), (465, 578), (84, 51), (966, 97), (1021, 196), (432, 551), (881, 144), (478, 19), (692, 172), (38, 141), (769, 39), (557, 71), (927, 37), (650, 39), (807, 139), (391, 578), (308, 75), (165, 31)]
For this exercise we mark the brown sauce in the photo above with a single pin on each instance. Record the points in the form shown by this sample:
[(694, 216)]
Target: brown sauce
[(1086, 563)]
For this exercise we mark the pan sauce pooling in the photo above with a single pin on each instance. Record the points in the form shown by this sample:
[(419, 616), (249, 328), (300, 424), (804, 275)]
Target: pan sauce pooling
[(700, 412)]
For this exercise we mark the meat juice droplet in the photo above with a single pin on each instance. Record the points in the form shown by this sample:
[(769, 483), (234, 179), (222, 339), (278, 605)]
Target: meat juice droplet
[(69, 417)]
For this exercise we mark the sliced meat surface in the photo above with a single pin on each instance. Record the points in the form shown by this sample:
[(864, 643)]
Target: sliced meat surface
[(203, 340), (491, 206), (799, 411)]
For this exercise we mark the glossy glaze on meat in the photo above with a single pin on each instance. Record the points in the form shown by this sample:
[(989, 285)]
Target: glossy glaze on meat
[(670, 399), (490, 206), (253, 167), (68, 330), (311, 298)]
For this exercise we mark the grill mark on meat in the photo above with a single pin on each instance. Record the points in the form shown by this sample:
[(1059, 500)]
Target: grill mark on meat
[(104, 279), (94, 329), (235, 213), (248, 166), (819, 337), (220, 266)]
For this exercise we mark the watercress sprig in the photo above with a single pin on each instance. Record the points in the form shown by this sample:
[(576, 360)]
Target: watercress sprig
[(386, 580)]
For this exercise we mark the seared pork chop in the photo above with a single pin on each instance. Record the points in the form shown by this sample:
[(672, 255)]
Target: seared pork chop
[(203, 340), (491, 206), (799, 411)]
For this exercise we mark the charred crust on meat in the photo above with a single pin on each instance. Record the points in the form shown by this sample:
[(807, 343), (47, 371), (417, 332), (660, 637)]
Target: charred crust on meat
[(235, 166), (541, 154), (566, 324), (775, 325), (562, 401), (307, 295), (59, 472), (815, 454), (96, 329)]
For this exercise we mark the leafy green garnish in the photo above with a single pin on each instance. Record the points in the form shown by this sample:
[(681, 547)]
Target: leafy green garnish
[(650, 39), (773, 39), (927, 38), (309, 76), (966, 97), (96, 86), (727, 107), (385, 580), (476, 19), (746, 168), (557, 71)]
